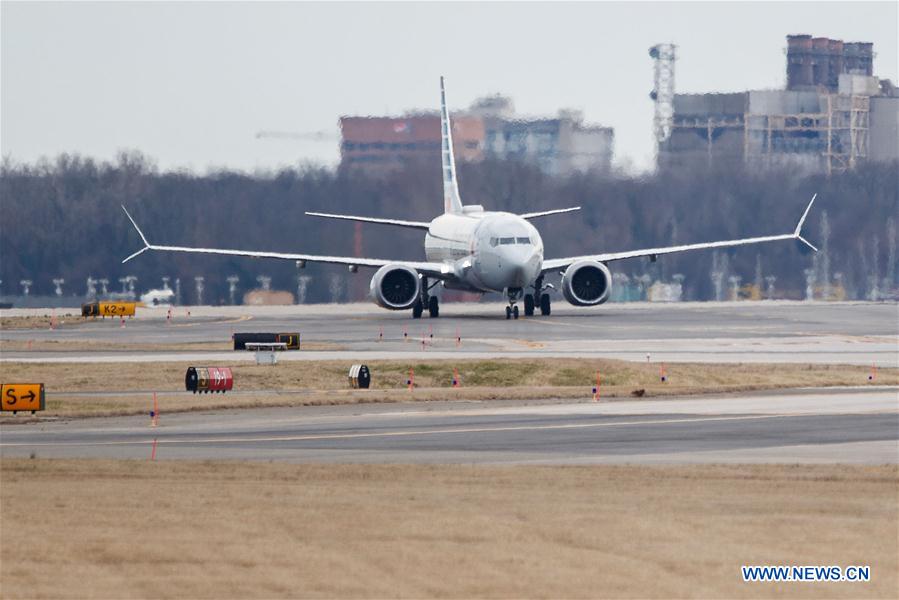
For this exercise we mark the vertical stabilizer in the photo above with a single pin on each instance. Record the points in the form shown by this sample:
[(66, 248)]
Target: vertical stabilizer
[(451, 201)]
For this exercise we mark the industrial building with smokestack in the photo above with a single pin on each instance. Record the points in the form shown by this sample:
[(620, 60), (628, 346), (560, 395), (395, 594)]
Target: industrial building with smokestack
[(833, 115)]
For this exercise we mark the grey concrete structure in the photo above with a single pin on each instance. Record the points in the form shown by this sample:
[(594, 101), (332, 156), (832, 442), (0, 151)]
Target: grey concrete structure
[(884, 137)]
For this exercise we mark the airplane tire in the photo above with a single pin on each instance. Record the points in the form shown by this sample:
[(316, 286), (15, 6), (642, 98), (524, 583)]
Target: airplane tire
[(515, 312), (434, 307), (417, 309), (528, 305), (508, 312), (544, 305)]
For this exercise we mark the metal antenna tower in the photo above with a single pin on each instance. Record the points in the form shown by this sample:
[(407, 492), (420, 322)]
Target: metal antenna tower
[(302, 284), (199, 279), (58, 281), (663, 57), (770, 279), (232, 287)]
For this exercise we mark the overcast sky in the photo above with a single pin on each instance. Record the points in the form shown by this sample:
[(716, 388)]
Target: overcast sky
[(189, 84)]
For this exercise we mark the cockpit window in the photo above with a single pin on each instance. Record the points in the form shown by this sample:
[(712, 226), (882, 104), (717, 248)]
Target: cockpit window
[(523, 240), (493, 241), (506, 241)]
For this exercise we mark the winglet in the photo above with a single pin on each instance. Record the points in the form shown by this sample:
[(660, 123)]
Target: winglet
[(806, 242), (802, 219), (140, 233)]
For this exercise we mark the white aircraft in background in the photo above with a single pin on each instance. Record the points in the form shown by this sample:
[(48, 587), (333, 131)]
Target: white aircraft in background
[(470, 249)]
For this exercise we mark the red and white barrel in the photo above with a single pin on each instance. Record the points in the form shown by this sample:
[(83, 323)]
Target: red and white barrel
[(208, 379)]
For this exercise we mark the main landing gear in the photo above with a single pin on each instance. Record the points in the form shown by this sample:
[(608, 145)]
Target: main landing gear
[(426, 300), (538, 298)]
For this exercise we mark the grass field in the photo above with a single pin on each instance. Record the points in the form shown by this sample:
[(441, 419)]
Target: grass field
[(41, 321), (70, 385), (140, 529)]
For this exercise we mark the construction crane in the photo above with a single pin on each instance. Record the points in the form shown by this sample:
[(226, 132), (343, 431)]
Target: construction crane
[(313, 136)]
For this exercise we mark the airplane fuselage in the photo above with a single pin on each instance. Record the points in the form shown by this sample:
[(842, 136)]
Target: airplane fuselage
[(489, 251)]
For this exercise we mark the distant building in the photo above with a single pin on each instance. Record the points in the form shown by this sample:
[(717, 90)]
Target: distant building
[(819, 62), (559, 146), (383, 143), (832, 115), (489, 128), (884, 128)]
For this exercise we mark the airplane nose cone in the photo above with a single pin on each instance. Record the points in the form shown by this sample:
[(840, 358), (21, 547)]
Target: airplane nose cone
[(523, 268)]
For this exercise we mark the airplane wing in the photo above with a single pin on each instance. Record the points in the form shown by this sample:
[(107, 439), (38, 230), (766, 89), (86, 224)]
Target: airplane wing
[(561, 263), (397, 222), (432, 269), (545, 213)]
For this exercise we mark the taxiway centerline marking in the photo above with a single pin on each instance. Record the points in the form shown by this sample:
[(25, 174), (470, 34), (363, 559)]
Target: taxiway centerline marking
[(422, 432)]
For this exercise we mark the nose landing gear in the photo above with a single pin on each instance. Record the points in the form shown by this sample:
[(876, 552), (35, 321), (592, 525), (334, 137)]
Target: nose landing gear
[(513, 294)]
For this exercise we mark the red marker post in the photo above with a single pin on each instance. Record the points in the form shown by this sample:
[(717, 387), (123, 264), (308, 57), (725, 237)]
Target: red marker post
[(411, 381), (663, 375), (596, 388), (873, 375), (456, 381)]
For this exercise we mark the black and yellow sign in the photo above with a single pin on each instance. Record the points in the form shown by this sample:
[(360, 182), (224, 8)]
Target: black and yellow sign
[(117, 309), (22, 396)]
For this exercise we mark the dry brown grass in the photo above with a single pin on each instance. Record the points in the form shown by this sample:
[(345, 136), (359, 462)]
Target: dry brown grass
[(324, 382), (110, 529), (40, 321)]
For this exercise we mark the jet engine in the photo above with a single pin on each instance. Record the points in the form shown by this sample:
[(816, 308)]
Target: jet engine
[(395, 287), (586, 283)]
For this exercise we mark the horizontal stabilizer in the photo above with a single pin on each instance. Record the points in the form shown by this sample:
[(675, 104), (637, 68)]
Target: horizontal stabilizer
[(546, 213), (395, 222)]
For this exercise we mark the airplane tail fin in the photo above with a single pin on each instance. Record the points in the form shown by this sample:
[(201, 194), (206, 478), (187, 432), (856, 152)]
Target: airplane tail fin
[(452, 203)]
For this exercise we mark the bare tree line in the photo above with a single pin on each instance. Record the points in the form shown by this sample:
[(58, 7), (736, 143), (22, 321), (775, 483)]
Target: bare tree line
[(61, 218)]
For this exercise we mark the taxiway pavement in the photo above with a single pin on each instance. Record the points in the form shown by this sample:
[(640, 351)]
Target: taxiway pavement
[(771, 331), (850, 425)]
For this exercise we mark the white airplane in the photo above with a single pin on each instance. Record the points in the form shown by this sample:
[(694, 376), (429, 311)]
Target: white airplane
[(468, 248)]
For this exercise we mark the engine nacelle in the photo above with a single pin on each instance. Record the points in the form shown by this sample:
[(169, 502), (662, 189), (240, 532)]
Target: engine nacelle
[(587, 283), (395, 287)]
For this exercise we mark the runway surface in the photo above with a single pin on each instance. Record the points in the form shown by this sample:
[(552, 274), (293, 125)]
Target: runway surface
[(853, 425), (770, 331)]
